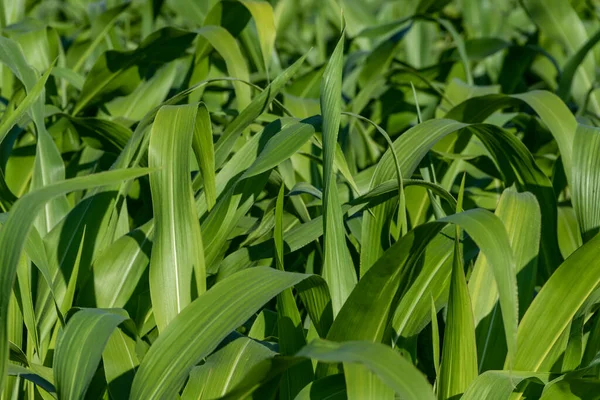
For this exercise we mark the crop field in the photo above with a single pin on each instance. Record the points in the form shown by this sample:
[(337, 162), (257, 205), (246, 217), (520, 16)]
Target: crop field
[(299, 199)]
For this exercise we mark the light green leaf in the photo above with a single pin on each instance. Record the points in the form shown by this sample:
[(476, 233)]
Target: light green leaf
[(118, 269), (332, 387), (177, 252), (224, 369), (520, 214), (208, 320), (100, 28), (48, 166), (459, 352), (225, 44), (498, 385), (32, 96), (79, 348), (120, 361), (586, 180), (393, 370), (115, 72), (260, 102), (204, 150), (559, 21), (338, 268), (289, 324), (262, 13), (16, 370), (556, 305), (14, 233)]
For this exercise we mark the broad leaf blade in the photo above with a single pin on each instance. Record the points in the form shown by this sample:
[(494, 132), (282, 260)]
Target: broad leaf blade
[(209, 319), (79, 349), (177, 250)]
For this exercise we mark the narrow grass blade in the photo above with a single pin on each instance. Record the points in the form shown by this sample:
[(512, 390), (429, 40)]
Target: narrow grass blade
[(571, 67), (459, 353), (100, 27), (262, 13), (338, 268), (205, 154), (114, 72), (25, 373)]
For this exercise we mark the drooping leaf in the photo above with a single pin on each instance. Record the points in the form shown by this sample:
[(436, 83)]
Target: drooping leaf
[(170, 359)]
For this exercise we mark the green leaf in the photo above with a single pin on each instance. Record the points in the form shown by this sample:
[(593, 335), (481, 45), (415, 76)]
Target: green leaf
[(332, 387), (459, 353), (33, 94), (118, 269), (48, 166), (289, 324), (120, 361), (520, 214), (569, 236), (101, 134), (551, 110), (114, 72), (18, 224), (393, 370), (559, 21), (572, 389), (571, 67), (79, 348), (367, 311), (338, 268), (262, 13), (498, 385), (586, 180), (205, 154), (148, 95), (209, 319), (100, 28), (258, 105), (225, 44), (282, 146), (555, 306), (224, 369), (177, 252), (25, 373)]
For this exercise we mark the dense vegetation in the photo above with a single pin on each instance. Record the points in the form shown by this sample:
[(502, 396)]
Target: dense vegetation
[(299, 199)]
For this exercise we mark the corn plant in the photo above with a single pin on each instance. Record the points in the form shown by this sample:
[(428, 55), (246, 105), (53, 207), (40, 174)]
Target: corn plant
[(299, 199)]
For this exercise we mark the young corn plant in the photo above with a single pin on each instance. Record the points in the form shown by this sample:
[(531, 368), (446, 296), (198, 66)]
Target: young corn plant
[(299, 199)]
